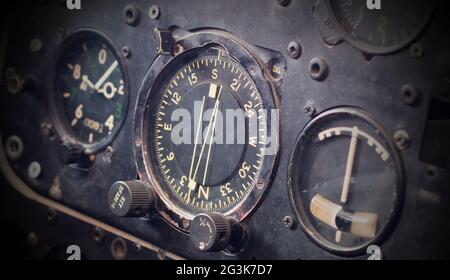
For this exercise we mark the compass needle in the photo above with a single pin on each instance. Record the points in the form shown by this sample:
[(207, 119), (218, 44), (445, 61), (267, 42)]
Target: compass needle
[(216, 107), (210, 142), (199, 124)]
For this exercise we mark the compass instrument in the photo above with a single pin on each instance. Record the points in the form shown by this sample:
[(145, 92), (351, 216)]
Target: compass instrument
[(345, 180), (206, 145)]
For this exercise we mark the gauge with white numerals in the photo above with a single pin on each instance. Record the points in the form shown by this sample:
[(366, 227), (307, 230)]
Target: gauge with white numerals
[(206, 130), (90, 96)]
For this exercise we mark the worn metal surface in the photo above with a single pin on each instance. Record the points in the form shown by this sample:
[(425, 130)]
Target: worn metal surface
[(353, 80)]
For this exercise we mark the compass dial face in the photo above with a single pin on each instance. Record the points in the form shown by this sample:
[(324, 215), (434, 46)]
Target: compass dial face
[(206, 132)]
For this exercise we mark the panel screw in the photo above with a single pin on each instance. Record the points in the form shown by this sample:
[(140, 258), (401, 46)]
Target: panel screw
[(47, 130), (416, 50), (161, 254), (34, 170), (410, 95), (294, 50), (283, 3), (153, 12), (177, 49), (401, 139), (55, 190), (131, 15), (431, 171), (318, 69), (125, 51), (51, 215), (137, 247), (14, 83), (260, 184), (309, 110), (119, 248), (185, 224), (14, 147), (98, 235), (288, 222), (60, 32), (32, 238), (109, 152), (36, 45), (92, 158)]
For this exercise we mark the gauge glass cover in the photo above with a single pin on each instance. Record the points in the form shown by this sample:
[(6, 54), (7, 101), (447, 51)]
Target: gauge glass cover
[(90, 96), (195, 96), (345, 180), (385, 30)]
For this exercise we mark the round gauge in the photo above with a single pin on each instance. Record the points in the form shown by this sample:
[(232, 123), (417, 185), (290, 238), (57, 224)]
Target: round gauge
[(345, 180), (205, 134), (90, 96), (387, 29)]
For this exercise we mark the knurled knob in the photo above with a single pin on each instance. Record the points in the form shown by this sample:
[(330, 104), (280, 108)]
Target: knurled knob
[(210, 232), (130, 198)]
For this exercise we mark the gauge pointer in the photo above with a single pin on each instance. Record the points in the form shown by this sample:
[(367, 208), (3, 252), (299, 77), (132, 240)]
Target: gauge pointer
[(216, 106), (349, 167), (192, 183), (85, 79), (106, 75), (348, 172), (108, 90), (362, 224), (219, 90)]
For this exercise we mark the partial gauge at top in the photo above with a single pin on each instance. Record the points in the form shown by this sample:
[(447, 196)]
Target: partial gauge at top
[(206, 129), (345, 180), (369, 29), (90, 97)]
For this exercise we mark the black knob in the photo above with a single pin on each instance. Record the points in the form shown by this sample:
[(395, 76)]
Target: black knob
[(210, 232), (130, 199)]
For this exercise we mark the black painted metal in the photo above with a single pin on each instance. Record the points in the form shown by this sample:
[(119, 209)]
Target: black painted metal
[(353, 80)]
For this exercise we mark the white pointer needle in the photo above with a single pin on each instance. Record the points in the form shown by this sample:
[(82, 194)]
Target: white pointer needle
[(349, 167), (199, 124), (106, 75), (348, 173), (88, 82)]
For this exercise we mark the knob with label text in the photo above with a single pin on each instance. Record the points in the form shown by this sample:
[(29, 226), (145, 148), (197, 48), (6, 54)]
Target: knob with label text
[(210, 232), (130, 198)]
